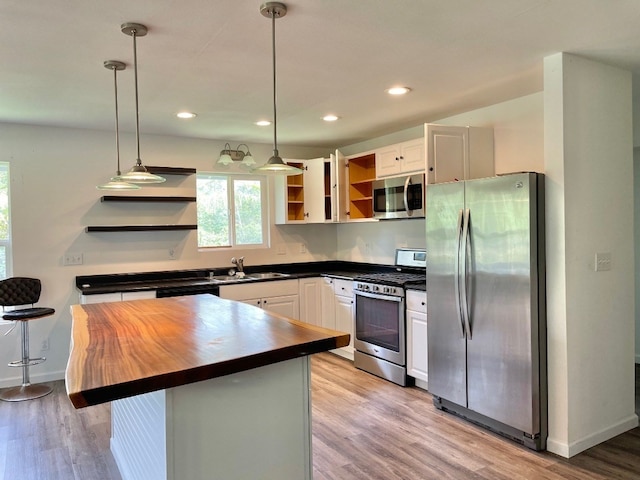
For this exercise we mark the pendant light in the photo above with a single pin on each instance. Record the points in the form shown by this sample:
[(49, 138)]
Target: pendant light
[(275, 165), (138, 173), (115, 183)]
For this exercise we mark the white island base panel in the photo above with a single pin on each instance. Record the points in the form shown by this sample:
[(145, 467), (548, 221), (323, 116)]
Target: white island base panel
[(252, 424)]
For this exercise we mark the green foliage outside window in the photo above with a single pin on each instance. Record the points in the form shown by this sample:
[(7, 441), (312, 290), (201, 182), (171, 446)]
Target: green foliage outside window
[(230, 210)]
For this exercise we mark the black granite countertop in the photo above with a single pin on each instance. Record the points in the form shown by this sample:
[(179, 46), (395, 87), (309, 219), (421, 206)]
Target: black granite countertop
[(178, 279)]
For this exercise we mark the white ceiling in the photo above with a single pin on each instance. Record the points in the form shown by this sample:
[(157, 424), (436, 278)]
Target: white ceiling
[(213, 57)]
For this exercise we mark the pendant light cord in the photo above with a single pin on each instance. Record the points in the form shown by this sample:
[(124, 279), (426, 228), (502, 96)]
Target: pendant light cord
[(115, 89), (275, 114), (135, 77)]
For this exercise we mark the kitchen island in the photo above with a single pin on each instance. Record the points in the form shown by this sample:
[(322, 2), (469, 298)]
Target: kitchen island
[(200, 387)]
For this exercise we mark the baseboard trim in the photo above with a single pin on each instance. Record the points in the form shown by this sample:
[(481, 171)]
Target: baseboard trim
[(571, 449), (34, 377)]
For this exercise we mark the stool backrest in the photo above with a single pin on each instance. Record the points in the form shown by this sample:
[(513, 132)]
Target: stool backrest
[(19, 291)]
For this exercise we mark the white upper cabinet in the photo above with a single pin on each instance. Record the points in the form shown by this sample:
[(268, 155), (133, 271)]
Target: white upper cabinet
[(458, 153), (308, 197), (400, 158)]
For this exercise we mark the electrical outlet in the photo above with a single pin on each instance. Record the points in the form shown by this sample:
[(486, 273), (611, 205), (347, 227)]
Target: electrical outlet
[(367, 248), (45, 345), (303, 248), (72, 259), (172, 254), (282, 250), (602, 262)]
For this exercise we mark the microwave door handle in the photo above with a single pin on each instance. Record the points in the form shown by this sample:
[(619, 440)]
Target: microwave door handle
[(407, 182), (457, 276)]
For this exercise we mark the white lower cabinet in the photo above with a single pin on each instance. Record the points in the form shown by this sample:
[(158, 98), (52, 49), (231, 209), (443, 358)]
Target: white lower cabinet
[(116, 296), (417, 337), (279, 296), (344, 314), (310, 290)]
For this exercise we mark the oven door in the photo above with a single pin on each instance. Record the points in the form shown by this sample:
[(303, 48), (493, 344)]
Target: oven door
[(380, 326)]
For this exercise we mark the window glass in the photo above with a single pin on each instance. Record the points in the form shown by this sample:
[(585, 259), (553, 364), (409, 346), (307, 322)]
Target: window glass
[(5, 222), (231, 210)]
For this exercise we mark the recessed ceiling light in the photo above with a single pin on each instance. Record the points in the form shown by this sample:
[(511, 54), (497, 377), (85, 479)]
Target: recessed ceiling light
[(398, 90), (263, 123), (330, 118), (185, 115)]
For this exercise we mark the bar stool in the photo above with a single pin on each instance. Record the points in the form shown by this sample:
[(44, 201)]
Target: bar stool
[(14, 292)]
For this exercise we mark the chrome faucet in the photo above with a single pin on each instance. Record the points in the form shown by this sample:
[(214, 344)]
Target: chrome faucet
[(239, 263)]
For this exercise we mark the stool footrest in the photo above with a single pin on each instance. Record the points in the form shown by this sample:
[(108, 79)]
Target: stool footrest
[(32, 361)]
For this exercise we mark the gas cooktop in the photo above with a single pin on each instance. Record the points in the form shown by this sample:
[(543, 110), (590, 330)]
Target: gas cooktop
[(396, 279)]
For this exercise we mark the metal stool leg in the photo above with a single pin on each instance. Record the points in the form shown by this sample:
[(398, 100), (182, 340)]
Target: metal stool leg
[(26, 391)]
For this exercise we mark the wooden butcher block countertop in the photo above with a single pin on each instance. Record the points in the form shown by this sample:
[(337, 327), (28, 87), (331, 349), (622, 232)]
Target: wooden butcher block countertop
[(122, 349)]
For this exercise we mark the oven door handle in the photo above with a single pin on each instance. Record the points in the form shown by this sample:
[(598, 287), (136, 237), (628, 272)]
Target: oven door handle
[(457, 276), (378, 296)]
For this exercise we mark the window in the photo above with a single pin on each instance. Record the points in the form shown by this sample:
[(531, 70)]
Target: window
[(231, 210), (5, 222)]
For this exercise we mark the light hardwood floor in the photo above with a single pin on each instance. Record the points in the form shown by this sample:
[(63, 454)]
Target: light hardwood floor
[(363, 428)]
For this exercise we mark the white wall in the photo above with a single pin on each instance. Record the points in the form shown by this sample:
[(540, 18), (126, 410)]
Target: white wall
[(588, 164), (54, 172), (636, 225)]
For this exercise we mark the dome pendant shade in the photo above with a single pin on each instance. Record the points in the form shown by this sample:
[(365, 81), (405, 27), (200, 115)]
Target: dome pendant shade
[(115, 183), (138, 173), (275, 165)]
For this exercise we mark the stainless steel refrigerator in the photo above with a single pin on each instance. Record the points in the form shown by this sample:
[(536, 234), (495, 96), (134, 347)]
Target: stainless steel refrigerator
[(486, 324)]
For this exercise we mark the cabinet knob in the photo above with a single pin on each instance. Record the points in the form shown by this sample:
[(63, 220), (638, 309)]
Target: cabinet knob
[(306, 214), (401, 157), (431, 169)]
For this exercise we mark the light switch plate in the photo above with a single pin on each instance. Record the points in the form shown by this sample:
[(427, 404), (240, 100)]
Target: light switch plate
[(602, 262)]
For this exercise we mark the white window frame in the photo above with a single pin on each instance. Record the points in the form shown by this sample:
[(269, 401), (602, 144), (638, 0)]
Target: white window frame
[(264, 196), (6, 243)]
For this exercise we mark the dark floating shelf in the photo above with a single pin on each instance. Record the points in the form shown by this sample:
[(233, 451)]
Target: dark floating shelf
[(171, 170), (144, 198), (138, 228)]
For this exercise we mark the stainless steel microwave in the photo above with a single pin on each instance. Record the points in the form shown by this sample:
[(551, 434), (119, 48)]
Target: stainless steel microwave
[(399, 197)]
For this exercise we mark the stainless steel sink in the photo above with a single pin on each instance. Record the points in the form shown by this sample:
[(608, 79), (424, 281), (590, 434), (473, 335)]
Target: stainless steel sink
[(227, 278), (267, 275)]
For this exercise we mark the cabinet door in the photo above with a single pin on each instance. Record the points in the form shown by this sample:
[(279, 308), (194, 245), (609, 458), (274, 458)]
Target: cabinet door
[(101, 297), (328, 319), (138, 295), (447, 153), (286, 305), (412, 156), (256, 302), (388, 161), (342, 188), (417, 345), (345, 323), (314, 208), (310, 300)]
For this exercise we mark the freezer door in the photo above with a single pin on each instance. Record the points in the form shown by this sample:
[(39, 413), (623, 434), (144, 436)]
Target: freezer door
[(502, 348), (445, 335)]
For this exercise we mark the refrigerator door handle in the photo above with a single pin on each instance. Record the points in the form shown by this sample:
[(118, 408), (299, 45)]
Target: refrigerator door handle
[(464, 297), (458, 277)]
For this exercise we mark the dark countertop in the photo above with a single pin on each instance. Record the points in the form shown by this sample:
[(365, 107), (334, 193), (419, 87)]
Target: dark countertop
[(122, 349), (134, 282), (418, 286)]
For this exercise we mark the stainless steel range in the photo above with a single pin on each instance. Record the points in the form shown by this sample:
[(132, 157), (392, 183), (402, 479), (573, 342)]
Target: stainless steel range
[(380, 330)]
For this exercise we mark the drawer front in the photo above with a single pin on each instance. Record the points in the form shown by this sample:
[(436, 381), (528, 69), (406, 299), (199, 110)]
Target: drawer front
[(342, 287), (417, 301)]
